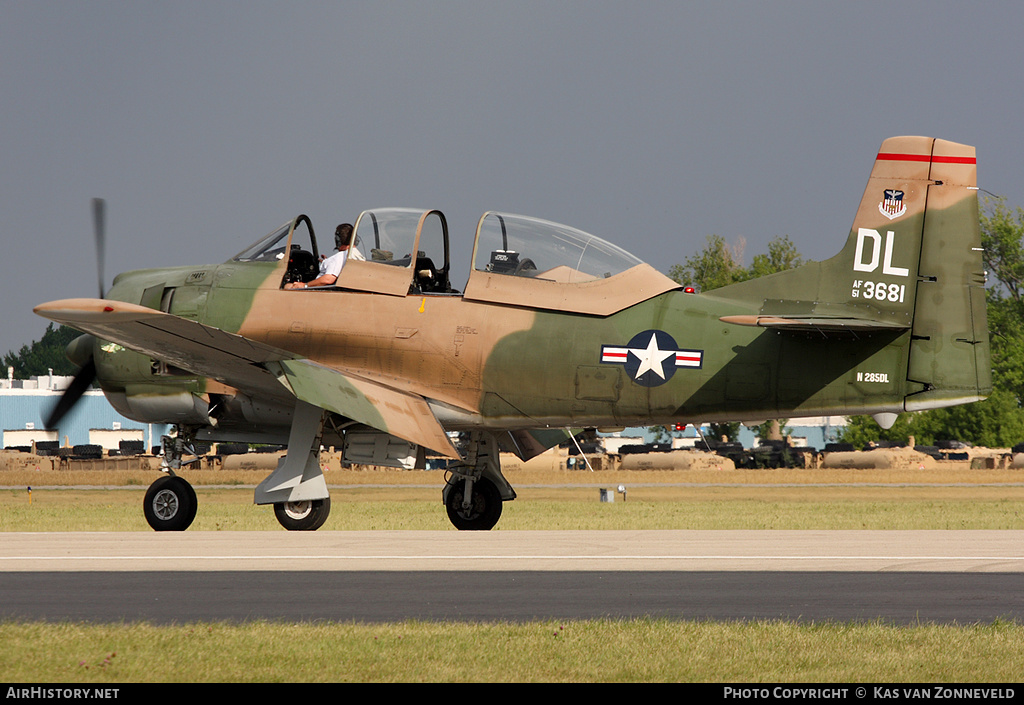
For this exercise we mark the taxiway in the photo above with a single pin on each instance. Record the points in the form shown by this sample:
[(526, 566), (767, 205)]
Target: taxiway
[(372, 576)]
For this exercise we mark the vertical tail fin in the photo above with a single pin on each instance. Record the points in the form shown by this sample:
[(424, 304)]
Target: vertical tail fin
[(912, 261)]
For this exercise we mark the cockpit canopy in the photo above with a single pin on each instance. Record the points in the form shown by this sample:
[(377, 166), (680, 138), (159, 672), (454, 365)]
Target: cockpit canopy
[(524, 261), (517, 260), (530, 247)]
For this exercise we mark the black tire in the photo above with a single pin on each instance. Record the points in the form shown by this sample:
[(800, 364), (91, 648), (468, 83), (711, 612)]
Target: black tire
[(485, 510), (89, 451), (309, 515), (131, 447), (170, 504)]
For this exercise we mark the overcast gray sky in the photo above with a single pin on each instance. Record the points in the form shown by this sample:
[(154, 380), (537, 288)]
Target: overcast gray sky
[(652, 124)]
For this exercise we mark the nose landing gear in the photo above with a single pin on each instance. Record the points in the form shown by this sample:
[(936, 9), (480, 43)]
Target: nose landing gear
[(170, 504)]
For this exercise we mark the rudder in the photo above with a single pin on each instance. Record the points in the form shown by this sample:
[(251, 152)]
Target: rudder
[(949, 348)]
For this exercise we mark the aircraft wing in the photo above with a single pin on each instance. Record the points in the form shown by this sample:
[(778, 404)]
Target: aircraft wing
[(369, 402), (206, 351), (253, 367)]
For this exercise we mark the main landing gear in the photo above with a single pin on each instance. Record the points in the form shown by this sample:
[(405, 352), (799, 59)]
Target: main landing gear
[(297, 488), (476, 489), (473, 506)]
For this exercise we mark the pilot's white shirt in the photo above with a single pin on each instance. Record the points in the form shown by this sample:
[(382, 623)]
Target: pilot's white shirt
[(333, 264)]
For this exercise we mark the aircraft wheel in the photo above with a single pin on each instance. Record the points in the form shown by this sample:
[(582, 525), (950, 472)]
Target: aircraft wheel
[(484, 511), (308, 515), (170, 504)]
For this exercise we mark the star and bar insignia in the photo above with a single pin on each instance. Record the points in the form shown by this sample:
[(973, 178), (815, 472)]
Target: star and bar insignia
[(651, 357)]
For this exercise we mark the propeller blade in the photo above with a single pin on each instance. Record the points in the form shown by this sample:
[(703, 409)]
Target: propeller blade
[(82, 381), (99, 217)]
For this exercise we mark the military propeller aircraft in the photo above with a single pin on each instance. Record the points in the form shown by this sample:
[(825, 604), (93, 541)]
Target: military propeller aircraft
[(555, 330)]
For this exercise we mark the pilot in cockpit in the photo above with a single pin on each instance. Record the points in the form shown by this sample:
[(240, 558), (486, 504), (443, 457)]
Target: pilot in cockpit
[(354, 252), (330, 267)]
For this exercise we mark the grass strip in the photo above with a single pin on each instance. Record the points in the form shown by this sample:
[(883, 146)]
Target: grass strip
[(606, 651), (231, 509)]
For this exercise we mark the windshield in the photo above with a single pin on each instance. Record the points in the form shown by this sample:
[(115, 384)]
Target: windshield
[(268, 249), (530, 247)]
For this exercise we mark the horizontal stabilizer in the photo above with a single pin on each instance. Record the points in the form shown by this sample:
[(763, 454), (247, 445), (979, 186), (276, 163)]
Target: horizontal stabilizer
[(823, 324)]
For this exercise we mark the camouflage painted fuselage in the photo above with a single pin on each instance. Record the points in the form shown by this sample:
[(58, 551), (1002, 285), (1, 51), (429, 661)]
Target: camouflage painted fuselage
[(894, 322)]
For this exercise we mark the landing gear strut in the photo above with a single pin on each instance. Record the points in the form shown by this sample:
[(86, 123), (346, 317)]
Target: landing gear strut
[(476, 489), (170, 503), (483, 509), (297, 488)]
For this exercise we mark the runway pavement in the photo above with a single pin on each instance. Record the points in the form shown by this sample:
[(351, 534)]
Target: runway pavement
[(899, 576), (943, 551)]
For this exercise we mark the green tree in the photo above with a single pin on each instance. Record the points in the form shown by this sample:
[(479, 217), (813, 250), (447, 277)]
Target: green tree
[(720, 264), (715, 266), (862, 430), (782, 255), (44, 354), (728, 430), (996, 422), (659, 434), (773, 429), (1002, 239)]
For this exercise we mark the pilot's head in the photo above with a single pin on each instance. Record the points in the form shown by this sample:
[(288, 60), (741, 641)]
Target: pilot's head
[(342, 236)]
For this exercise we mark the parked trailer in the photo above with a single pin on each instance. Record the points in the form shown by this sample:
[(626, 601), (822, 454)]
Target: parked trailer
[(676, 460)]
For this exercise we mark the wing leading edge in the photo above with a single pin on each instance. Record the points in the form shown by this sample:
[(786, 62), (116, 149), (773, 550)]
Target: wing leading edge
[(253, 367)]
